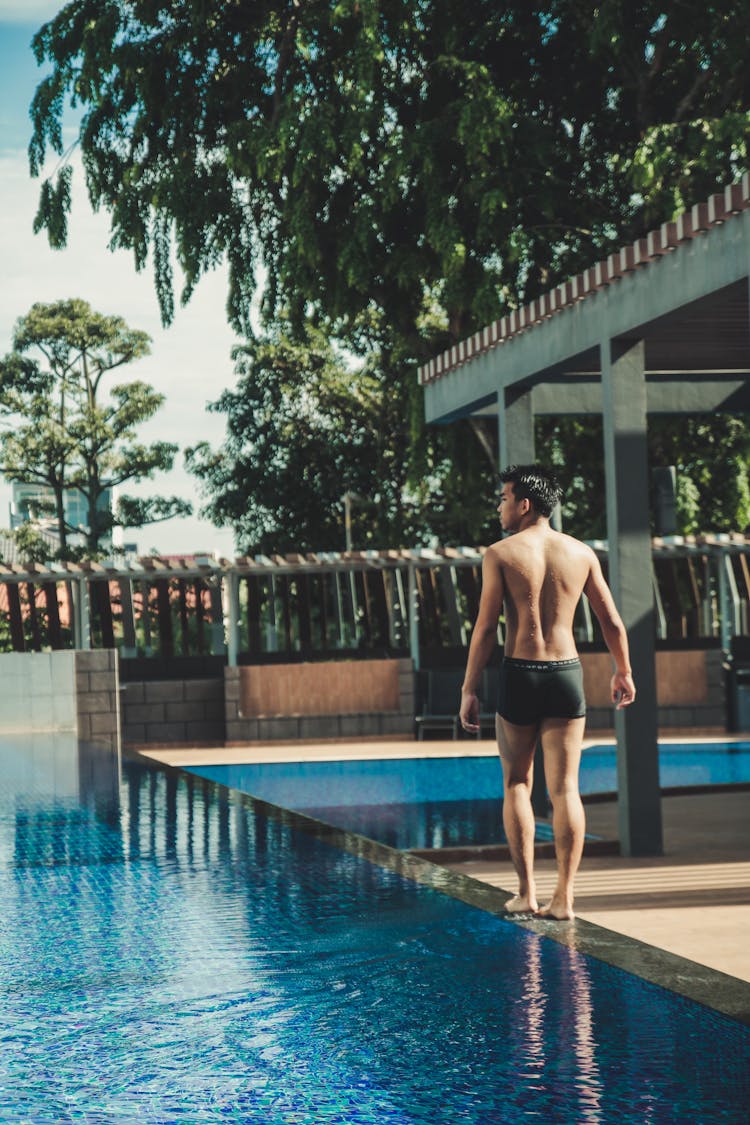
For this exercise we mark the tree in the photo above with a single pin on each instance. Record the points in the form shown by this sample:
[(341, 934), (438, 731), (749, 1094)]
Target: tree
[(66, 434), (298, 438), (712, 463), (302, 432), (713, 469), (404, 171), (399, 156)]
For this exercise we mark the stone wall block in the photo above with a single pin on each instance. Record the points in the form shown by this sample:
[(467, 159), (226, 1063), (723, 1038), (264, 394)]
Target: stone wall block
[(278, 728), (100, 681), (232, 686), (144, 713), (395, 725), (166, 732), (205, 732), (103, 724), (164, 691), (96, 660), (95, 701), (204, 690), (185, 712), (132, 693), (319, 726)]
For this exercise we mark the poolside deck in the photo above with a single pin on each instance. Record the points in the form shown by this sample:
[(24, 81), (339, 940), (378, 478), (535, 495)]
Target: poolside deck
[(693, 901)]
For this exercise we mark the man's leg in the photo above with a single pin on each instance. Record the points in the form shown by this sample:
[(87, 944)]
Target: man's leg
[(561, 742), (517, 745)]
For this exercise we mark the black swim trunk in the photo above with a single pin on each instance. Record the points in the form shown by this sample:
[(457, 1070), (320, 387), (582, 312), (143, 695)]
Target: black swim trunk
[(531, 690)]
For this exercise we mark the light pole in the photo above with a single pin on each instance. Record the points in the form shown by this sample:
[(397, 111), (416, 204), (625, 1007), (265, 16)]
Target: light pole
[(350, 498)]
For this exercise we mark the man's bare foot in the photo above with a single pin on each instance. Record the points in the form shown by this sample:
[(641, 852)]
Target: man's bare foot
[(521, 904), (558, 909)]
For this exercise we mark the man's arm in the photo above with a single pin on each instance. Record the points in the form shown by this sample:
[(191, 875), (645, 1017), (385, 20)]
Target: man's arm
[(483, 639), (613, 631)]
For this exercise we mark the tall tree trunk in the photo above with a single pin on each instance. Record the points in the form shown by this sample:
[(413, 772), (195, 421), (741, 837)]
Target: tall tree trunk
[(62, 529)]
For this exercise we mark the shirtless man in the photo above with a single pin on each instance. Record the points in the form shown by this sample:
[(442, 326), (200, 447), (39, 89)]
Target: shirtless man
[(539, 575)]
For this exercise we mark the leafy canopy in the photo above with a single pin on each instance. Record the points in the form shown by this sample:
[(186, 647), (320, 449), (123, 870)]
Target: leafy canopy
[(712, 463), (403, 156), (399, 172), (302, 432)]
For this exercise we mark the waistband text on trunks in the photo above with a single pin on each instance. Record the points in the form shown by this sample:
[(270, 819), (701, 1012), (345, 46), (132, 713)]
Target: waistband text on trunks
[(540, 665)]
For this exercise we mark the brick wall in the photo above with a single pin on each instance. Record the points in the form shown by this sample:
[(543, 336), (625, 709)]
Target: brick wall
[(340, 699), (186, 711), (98, 698)]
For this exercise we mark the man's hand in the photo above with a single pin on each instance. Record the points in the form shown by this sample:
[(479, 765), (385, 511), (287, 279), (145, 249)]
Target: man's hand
[(623, 690), (469, 713)]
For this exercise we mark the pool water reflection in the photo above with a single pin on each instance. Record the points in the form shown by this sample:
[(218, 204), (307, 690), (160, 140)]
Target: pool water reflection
[(170, 954)]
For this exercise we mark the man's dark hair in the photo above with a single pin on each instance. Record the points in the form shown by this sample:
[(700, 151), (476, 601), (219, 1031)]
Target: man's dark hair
[(534, 483)]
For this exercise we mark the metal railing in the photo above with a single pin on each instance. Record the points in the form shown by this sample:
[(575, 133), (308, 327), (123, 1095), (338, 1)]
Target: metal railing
[(315, 606)]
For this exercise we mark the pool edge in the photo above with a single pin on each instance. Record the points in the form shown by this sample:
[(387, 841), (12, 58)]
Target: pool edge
[(720, 992)]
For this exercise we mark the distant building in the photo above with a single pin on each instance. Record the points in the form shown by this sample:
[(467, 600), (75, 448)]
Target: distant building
[(34, 503)]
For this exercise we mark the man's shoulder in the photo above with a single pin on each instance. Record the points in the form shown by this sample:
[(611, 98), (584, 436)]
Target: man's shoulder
[(499, 551), (575, 545)]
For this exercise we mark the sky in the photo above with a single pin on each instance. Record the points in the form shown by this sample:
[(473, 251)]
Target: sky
[(190, 362)]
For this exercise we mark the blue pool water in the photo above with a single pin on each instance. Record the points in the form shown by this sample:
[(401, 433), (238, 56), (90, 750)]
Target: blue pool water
[(169, 955), (449, 802)]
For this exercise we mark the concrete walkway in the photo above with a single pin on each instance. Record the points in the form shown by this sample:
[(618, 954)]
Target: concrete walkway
[(693, 901)]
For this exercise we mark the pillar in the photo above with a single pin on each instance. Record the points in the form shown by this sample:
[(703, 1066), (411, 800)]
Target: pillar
[(233, 617), (515, 425), (628, 532), (413, 617)]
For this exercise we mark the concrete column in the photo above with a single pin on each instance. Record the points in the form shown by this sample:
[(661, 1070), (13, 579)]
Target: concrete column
[(413, 617), (218, 642), (82, 619), (626, 467), (515, 427), (233, 617), (129, 642)]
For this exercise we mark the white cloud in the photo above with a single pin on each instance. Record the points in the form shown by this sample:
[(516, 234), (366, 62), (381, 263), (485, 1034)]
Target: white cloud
[(190, 362)]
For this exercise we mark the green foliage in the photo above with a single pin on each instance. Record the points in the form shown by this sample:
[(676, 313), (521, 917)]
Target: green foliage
[(574, 447), (404, 172), (303, 429), (134, 511), (32, 546), (389, 154), (713, 470), (712, 462), (66, 432), (297, 440)]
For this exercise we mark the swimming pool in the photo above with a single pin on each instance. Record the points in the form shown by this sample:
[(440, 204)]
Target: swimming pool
[(172, 951), (449, 802)]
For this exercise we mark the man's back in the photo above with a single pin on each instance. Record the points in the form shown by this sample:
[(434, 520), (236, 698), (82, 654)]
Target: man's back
[(543, 576)]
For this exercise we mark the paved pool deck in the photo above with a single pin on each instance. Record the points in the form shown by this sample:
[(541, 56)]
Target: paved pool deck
[(692, 901)]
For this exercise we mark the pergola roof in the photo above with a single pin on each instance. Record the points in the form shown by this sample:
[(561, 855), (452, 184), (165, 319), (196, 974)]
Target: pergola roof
[(683, 290), (151, 568)]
